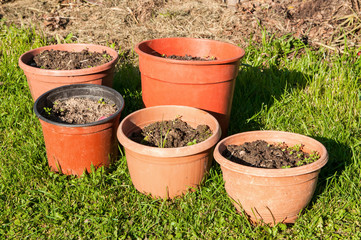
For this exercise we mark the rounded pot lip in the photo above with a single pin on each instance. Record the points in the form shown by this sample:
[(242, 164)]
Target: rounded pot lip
[(169, 152), (114, 115), (174, 61), (76, 72), (264, 172)]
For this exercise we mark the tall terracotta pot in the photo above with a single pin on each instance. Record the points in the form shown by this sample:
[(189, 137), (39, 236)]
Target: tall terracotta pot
[(208, 85), (73, 148), (42, 80), (167, 172), (271, 195)]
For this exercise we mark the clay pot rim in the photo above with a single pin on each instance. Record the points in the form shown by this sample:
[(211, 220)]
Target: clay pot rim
[(105, 120), (169, 152), (76, 72), (264, 172), (184, 62)]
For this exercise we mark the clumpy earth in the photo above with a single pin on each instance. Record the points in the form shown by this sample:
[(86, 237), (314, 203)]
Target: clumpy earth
[(264, 155), (64, 60), (171, 134), (80, 110), (189, 58)]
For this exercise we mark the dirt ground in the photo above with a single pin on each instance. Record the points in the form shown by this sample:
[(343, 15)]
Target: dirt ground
[(126, 22)]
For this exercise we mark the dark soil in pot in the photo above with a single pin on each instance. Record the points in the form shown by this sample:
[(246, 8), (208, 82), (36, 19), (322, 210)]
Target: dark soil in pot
[(64, 60), (264, 155), (171, 134), (189, 57), (79, 110)]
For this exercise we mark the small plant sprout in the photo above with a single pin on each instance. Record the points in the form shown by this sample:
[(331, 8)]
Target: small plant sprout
[(164, 140), (314, 156), (210, 58), (48, 110), (145, 140), (101, 101), (107, 57), (297, 147), (192, 143)]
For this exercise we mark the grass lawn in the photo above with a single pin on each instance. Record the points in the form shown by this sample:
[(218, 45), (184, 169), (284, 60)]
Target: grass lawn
[(282, 85)]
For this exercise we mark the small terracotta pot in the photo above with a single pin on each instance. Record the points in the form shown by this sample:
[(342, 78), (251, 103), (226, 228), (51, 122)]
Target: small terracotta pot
[(42, 80), (207, 85), (271, 195), (167, 172), (73, 148)]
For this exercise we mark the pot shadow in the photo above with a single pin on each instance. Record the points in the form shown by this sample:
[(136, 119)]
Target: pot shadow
[(127, 82), (256, 88), (340, 156)]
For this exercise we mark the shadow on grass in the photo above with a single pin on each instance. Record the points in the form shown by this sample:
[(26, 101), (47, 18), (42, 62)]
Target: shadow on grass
[(127, 82), (340, 155), (257, 88)]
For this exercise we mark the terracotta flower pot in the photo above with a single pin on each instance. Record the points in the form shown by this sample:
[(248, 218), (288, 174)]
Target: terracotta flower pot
[(208, 85), (271, 195), (167, 172), (42, 80), (73, 148)]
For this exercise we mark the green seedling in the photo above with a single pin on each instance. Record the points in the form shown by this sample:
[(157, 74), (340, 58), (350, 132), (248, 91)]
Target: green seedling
[(192, 143), (163, 141), (48, 110), (107, 57), (101, 101), (145, 140), (296, 147), (314, 156)]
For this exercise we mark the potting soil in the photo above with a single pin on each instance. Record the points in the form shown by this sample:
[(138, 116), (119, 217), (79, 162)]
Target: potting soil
[(264, 155), (171, 133), (77, 110), (64, 60)]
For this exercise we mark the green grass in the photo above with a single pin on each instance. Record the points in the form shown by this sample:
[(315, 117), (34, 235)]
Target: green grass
[(282, 85)]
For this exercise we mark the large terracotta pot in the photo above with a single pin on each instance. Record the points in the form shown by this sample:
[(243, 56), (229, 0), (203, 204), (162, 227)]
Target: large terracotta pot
[(167, 172), (42, 80), (208, 85), (271, 195), (73, 148)]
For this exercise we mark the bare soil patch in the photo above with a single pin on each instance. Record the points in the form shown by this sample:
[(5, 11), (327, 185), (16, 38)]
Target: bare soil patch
[(78, 110), (64, 60), (125, 22), (171, 134), (189, 58), (264, 155)]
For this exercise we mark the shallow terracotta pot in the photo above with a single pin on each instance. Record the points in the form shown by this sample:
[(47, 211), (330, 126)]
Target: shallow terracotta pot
[(73, 148), (271, 195), (42, 80), (167, 172), (207, 85)]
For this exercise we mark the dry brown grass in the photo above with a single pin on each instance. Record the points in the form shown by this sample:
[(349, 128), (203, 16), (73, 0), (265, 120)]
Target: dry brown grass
[(127, 22)]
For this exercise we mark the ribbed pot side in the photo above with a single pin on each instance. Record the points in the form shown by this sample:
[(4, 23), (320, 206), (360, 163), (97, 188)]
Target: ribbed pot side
[(207, 85), (42, 80), (74, 148), (271, 195), (167, 172)]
